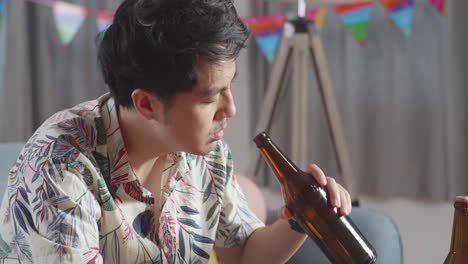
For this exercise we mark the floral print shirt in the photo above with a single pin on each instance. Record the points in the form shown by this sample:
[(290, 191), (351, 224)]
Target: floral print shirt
[(72, 197)]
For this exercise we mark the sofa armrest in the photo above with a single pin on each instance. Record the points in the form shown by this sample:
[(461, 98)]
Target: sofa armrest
[(379, 229)]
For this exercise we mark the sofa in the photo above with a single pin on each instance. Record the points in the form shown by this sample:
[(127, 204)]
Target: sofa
[(378, 228)]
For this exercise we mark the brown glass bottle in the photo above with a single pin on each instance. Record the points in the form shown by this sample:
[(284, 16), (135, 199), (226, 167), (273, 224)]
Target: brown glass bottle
[(459, 245), (335, 234)]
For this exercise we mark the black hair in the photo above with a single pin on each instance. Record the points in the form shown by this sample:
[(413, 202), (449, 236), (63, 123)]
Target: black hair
[(156, 44)]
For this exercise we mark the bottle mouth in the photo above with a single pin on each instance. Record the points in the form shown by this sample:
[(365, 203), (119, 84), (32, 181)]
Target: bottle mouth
[(461, 202), (262, 139)]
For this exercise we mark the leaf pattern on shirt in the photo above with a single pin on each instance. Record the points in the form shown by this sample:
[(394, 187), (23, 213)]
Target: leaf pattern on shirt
[(106, 201), (80, 129), (4, 248), (73, 186)]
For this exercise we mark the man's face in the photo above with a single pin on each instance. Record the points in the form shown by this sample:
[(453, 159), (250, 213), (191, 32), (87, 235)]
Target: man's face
[(196, 120)]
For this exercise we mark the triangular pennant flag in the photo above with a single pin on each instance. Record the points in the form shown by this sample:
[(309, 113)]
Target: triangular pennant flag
[(104, 19), (439, 5), (68, 20), (267, 31), (268, 42), (401, 12), (261, 24), (317, 15), (356, 18), (2, 11)]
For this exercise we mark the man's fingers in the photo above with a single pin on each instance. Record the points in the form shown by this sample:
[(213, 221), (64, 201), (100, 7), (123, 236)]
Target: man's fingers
[(345, 201), (318, 174), (334, 192)]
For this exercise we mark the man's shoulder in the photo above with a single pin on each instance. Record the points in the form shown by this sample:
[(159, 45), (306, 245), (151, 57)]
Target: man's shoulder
[(79, 128), (83, 122)]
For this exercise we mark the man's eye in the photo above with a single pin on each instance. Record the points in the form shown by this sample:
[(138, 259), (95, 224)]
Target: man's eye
[(209, 101)]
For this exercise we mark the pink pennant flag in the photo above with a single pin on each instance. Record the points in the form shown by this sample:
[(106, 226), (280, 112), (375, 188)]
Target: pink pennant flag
[(317, 15), (104, 19), (68, 20), (439, 5)]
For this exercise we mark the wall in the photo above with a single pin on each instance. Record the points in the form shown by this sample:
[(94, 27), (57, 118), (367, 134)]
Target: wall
[(238, 134)]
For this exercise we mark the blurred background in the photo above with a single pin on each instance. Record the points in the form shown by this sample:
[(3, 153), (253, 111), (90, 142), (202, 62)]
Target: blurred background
[(401, 97)]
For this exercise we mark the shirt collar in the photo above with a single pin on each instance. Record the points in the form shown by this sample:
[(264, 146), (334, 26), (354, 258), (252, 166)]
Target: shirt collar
[(120, 170)]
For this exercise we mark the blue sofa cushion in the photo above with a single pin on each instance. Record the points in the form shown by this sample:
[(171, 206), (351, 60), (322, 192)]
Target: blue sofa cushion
[(9, 152)]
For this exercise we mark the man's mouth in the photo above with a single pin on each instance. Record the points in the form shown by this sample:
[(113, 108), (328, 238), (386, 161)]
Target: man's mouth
[(220, 132)]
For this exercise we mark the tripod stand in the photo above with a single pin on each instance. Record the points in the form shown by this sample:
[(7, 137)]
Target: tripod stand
[(300, 43)]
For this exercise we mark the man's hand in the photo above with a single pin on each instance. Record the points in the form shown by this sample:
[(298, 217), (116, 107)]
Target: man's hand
[(339, 197)]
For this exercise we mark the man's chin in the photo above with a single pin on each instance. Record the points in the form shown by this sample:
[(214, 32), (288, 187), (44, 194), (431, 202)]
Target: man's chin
[(205, 150)]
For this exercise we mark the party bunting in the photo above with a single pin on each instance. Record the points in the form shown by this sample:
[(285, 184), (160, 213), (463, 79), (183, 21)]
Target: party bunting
[(401, 12), (68, 19), (439, 5), (267, 29), (356, 19), (317, 15), (2, 12), (104, 19), (268, 43)]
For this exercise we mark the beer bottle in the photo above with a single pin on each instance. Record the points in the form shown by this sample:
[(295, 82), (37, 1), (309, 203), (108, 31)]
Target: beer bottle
[(459, 245), (336, 235)]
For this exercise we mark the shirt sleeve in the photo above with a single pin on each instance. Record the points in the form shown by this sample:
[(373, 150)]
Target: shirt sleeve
[(237, 222), (53, 215)]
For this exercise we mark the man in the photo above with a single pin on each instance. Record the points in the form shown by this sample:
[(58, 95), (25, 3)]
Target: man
[(141, 175)]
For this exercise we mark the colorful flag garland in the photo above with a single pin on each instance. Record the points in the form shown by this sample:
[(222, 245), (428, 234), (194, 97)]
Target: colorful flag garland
[(104, 19), (68, 19), (317, 15), (439, 5), (266, 29), (2, 12), (355, 17), (401, 12)]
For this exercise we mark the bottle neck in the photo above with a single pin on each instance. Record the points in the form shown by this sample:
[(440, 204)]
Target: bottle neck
[(280, 164), (459, 241)]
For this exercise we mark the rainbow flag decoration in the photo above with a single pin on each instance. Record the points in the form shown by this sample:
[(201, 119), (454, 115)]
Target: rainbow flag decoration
[(104, 19), (2, 12), (267, 29), (439, 5), (355, 17), (68, 20), (401, 12), (317, 15)]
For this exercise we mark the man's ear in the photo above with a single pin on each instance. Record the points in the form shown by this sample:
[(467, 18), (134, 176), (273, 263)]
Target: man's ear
[(146, 104)]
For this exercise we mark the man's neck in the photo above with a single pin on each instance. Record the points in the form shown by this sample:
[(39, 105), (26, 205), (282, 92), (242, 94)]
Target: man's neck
[(142, 146)]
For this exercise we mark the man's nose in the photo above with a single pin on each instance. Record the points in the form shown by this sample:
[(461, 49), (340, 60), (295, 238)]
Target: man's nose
[(227, 107), (231, 106)]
